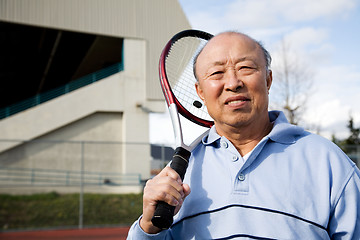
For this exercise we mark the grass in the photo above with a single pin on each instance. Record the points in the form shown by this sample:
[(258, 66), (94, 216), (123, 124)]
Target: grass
[(53, 210)]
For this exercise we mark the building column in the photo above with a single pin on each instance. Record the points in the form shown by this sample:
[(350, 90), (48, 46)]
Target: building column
[(136, 147)]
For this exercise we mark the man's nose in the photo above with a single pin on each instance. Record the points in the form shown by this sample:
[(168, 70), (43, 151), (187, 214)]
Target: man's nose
[(233, 82)]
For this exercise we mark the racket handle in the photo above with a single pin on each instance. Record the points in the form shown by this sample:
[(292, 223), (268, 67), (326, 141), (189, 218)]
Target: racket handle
[(164, 213)]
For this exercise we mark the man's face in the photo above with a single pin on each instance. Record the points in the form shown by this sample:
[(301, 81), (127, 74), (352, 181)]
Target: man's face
[(233, 80)]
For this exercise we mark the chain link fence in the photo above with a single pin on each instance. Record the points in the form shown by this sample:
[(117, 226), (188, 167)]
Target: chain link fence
[(72, 183)]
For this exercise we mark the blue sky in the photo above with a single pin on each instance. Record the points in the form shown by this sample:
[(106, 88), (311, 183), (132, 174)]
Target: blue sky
[(324, 34)]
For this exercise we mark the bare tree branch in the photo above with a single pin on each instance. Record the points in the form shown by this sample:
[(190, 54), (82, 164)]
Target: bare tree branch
[(292, 84)]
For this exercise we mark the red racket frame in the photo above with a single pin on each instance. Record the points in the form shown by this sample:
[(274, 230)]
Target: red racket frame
[(168, 93)]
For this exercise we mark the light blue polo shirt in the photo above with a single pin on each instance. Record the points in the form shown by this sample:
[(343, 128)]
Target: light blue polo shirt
[(293, 185)]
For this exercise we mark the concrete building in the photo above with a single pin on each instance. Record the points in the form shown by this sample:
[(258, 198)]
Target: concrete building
[(101, 127)]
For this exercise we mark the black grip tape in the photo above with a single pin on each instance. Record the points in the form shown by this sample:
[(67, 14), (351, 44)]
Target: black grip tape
[(164, 213)]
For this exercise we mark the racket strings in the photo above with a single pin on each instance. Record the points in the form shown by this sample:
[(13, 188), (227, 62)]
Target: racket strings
[(179, 69)]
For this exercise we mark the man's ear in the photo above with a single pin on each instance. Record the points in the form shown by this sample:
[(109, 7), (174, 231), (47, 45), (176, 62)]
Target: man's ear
[(269, 79), (199, 92)]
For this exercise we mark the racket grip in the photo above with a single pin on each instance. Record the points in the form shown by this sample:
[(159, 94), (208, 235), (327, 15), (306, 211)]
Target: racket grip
[(164, 213)]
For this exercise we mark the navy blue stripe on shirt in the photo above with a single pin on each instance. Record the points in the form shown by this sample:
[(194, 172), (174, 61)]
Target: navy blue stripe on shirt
[(244, 235), (254, 208)]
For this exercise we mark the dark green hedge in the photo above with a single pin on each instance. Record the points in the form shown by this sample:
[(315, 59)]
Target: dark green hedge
[(54, 210)]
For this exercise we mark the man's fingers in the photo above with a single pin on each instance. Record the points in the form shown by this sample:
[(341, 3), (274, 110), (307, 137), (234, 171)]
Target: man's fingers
[(168, 171), (186, 190), (164, 189), (167, 187)]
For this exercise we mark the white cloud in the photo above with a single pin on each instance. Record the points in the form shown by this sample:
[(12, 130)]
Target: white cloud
[(256, 15), (264, 13), (302, 38), (304, 42), (340, 81), (308, 10), (252, 14), (205, 21), (308, 45), (335, 98)]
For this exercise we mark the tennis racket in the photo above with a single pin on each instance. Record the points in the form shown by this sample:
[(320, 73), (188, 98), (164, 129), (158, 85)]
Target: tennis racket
[(178, 84)]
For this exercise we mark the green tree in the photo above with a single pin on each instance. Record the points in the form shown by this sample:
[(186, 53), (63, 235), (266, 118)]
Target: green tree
[(348, 144), (354, 138)]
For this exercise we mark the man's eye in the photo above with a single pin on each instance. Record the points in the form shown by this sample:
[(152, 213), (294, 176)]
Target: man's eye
[(216, 73), (245, 67)]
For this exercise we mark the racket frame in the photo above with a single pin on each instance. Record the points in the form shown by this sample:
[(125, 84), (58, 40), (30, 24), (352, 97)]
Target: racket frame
[(163, 216), (165, 86)]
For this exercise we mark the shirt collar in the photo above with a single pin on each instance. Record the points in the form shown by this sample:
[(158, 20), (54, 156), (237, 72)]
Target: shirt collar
[(282, 131), (211, 137)]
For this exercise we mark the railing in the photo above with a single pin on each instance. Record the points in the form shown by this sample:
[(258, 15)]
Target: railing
[(49, 177), (51, 94)]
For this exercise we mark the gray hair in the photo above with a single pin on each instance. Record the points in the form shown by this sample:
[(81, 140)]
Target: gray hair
[(266, 53)]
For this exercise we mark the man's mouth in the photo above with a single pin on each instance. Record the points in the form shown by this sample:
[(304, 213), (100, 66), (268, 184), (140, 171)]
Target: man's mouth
[(236, 101)]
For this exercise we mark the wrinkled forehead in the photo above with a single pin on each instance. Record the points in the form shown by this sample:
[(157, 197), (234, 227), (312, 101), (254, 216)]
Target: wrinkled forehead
[(226, 44)]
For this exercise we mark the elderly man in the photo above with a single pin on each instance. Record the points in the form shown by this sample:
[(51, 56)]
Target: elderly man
[(254, 175)]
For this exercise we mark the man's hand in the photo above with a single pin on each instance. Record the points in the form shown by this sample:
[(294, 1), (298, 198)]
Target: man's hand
[(167, 187)]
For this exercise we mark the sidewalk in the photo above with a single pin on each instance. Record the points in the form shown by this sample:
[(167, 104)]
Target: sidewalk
[(115, 233)]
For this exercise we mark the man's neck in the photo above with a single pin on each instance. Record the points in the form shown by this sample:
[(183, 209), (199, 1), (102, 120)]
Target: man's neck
[(245, 137)]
